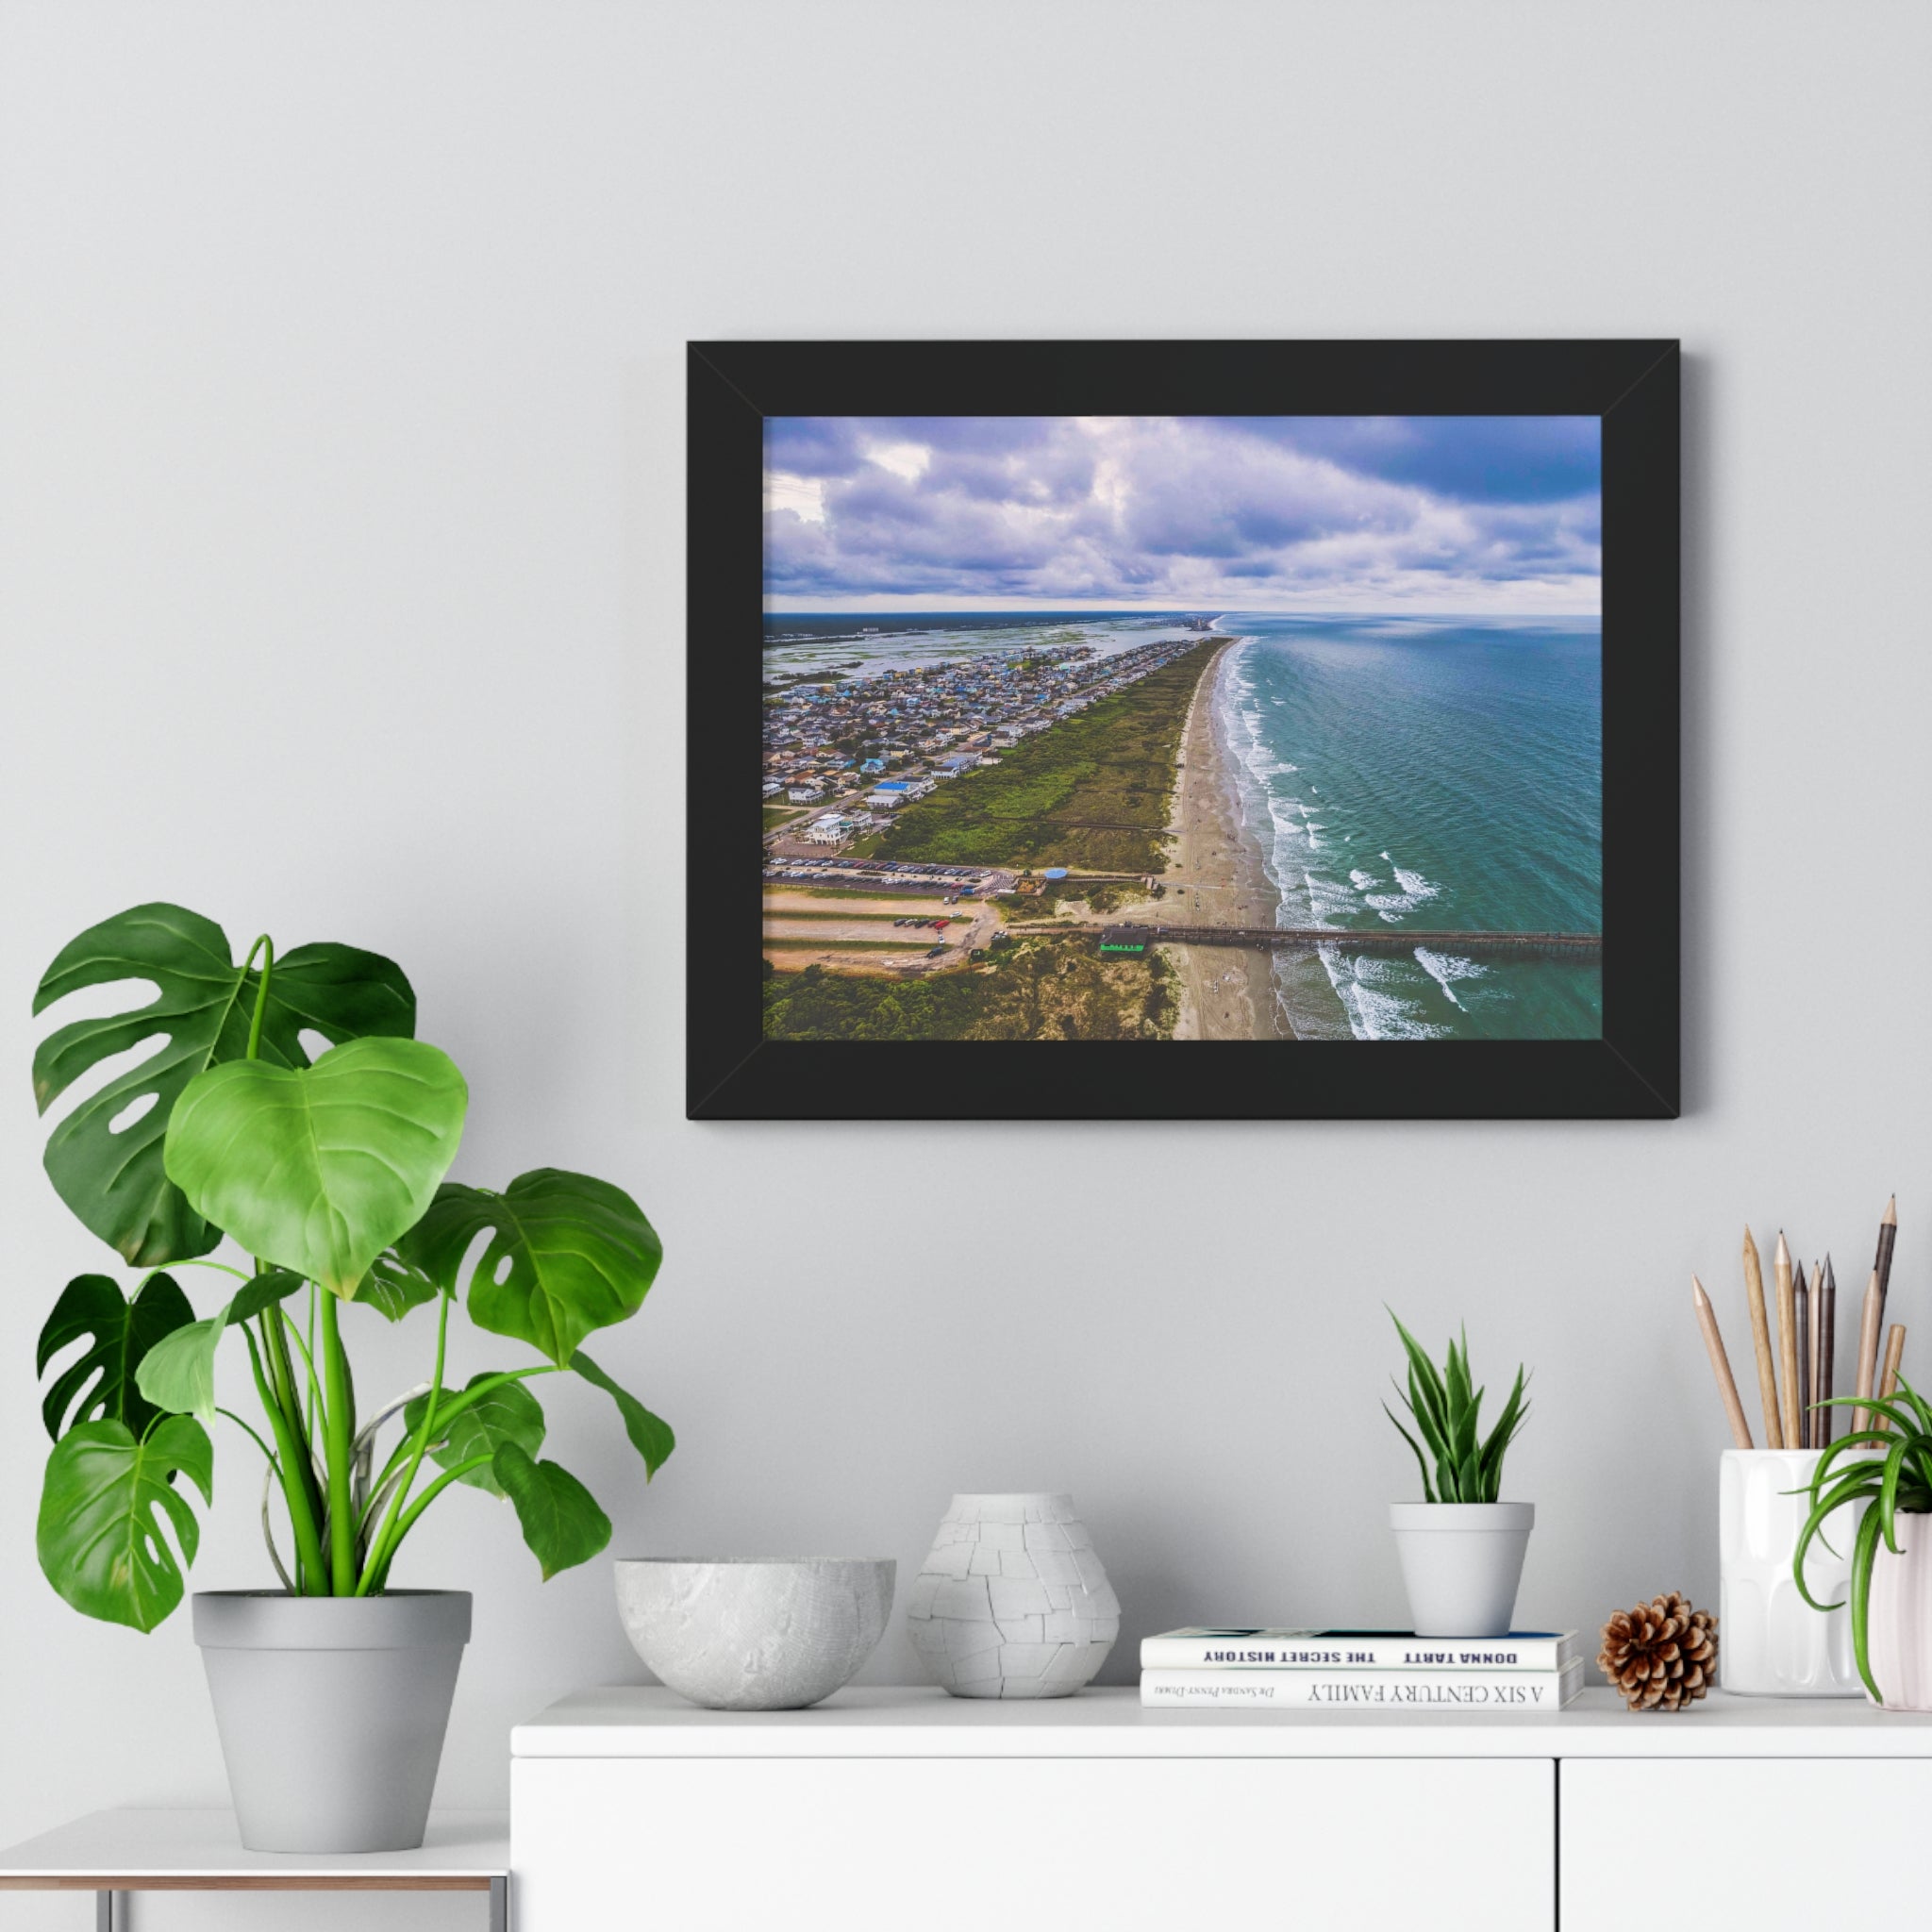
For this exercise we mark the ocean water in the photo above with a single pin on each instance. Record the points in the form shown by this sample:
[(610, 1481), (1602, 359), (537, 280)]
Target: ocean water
[(1431, 772)]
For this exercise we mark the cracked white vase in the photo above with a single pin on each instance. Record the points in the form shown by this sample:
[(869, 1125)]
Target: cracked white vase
[(1011, 1601)]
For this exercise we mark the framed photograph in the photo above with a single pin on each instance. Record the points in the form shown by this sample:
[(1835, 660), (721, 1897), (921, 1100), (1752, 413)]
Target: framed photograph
[(1170, 730)]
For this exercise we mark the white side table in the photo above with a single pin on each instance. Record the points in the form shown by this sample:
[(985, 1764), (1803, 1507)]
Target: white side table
[(109, 1853)]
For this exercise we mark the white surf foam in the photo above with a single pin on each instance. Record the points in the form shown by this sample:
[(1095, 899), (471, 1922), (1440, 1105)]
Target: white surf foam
[(1375, 1010), (1445, 968), (1412, 889)]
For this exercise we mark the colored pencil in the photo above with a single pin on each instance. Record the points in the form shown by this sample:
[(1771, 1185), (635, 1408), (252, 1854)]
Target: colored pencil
[(1786, 1344), (1760, 1338), (1881, 1266), (1720, 1364), (1827, 1355), (1801, 1328), (1868, 1353)]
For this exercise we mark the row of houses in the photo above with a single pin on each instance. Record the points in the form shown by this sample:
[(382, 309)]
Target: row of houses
[(823, 740)]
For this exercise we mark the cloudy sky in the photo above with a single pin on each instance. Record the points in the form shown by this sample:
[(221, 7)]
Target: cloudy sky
[(1473, 514)]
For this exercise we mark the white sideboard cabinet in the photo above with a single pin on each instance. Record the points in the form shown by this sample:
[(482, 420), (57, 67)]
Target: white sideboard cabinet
[(886, 1809)]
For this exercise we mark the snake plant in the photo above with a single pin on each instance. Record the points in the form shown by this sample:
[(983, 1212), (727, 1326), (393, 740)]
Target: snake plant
[(1898, 1483), (1446, 1408)]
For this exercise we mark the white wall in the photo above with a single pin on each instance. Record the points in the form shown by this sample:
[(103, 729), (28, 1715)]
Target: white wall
[(340, 444)]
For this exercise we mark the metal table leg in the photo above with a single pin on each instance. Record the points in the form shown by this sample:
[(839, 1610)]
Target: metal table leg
[(106, 1918), (499, 1905)]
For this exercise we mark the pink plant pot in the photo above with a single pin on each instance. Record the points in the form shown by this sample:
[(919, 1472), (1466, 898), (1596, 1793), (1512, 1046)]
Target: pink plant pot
[(1899, 1638)]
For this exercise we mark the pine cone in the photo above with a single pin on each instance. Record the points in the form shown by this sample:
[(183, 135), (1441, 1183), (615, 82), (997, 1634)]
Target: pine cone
[(1660, 1656)]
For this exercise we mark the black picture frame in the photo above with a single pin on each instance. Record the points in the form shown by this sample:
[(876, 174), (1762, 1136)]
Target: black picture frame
[(734, 1072)]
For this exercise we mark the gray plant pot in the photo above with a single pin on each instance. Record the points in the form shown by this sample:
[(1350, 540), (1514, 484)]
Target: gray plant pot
[(332, 1711)]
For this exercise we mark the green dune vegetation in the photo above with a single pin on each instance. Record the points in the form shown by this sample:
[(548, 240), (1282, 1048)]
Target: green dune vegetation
[(1093, 791), (1043, 987)]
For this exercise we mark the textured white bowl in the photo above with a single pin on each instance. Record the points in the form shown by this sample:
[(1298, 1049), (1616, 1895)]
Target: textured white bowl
[(753, 1634)]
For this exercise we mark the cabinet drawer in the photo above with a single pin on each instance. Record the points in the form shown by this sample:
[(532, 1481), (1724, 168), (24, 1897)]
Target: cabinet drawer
[(961, 1845), (1742, 1842)]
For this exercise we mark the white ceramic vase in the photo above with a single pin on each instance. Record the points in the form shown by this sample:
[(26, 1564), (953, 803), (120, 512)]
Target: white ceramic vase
[(1461, 1563), (1771, 1641), (1011, 1602), (1899, 1638)]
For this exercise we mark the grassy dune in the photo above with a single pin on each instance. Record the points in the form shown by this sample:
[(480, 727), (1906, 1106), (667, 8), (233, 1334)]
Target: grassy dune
[(1046, 988), (1093, 791)]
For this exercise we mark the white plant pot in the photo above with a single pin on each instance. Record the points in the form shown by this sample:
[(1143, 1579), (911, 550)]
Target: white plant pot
[(1771, 1641), (1899, 1638), (1461, 1563)]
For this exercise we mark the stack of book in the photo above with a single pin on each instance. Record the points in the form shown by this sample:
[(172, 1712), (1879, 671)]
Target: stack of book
[(1368, 1670)]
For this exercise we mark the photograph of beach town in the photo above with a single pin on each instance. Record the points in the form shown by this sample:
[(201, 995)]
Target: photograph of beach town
[(1260, 729)]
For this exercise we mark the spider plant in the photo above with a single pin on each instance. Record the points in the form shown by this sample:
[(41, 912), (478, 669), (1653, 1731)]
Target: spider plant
[(1446, 1408), (1898, 1483)]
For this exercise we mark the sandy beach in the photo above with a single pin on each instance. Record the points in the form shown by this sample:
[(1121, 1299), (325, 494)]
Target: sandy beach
[(1217, 878)]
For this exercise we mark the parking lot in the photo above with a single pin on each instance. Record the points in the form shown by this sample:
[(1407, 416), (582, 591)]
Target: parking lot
[(889, 875)]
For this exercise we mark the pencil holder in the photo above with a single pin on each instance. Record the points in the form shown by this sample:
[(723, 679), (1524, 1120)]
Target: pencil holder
[(1772, 1643)]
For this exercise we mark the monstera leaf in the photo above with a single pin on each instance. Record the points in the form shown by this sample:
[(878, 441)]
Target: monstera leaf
[(567, 1255), (123, 1331), (319, 1169), (178, 1374), (204, 1004), (560, 1519), (508, 1413), (650, 1434), (271, 1286), (104, 1505), (392, 1286)]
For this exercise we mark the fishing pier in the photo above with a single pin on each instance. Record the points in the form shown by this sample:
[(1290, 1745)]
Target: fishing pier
[(1137, 939)]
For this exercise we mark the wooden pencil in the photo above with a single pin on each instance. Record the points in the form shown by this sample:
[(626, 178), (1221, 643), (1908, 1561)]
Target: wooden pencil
[(1787, 1342), (1720, 1364), (1801, 1328), (1760, 1340), (1827, 1357), (1881, 1265), (1895, 1354), (1868, 1353), (1887, 1384)]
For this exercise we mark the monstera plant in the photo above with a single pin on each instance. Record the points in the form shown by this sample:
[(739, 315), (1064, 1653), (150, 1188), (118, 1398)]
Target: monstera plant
[(328, 1174)]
